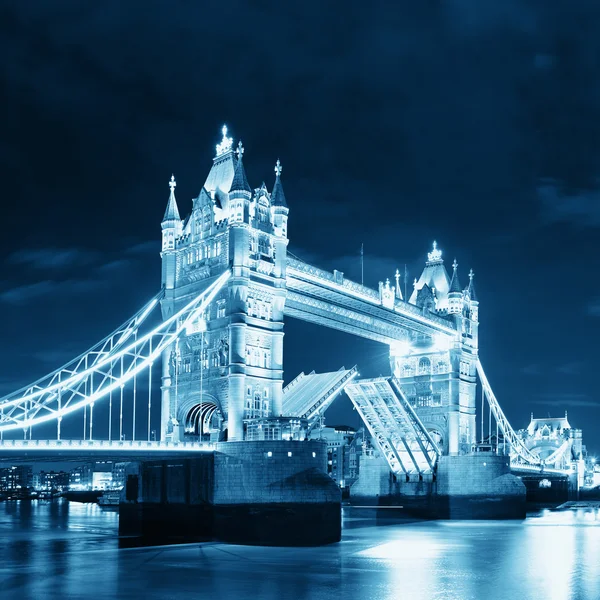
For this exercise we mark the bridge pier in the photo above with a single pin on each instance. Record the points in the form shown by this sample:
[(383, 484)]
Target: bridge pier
[(471, 486), (264, 493)]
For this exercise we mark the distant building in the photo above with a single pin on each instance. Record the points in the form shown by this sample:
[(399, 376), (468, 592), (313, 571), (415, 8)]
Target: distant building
[(80, 478), (339, 441), (119, 474), (16, 478), (53, 481), (554, 441)]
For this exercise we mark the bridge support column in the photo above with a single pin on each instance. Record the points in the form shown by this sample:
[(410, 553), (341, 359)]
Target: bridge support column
[(235, 412), (453, 432), (277, 364), (165, 407)]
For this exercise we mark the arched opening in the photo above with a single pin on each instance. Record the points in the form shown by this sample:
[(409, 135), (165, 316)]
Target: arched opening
[(201, 421)]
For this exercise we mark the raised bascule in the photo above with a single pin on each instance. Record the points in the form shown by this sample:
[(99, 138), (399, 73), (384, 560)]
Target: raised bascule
[(227, 286)]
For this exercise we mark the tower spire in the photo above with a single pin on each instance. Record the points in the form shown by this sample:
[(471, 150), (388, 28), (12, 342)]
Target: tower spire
[(226, 143), (398, 290), (277, 196), (435, 255), (240, 181), (172, 212), (454, 283), (471, 287)]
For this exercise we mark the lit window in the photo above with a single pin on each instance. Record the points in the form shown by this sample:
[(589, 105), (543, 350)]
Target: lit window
[(289, 453), (314, 455), (269, 454)]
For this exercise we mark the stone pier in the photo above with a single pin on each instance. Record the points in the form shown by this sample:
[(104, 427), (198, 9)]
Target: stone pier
[(471, 486), (266, 493)]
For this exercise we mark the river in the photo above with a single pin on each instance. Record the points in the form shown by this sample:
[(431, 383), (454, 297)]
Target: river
[(69, 550)]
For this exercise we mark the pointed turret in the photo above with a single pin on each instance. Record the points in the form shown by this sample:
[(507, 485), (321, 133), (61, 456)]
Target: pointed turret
[(454, 293), (398, 290), (279, 207), (278, 197), (454, 283), (172, 212), (471, 288), (171, 229), (240, 181)]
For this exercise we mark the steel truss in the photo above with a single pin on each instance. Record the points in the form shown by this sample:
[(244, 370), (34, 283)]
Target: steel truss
[(106, 367), (394, 425), (520, 455)]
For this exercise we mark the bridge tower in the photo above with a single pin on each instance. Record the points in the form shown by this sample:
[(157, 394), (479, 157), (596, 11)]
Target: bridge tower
[(438, 372), (229, 365)]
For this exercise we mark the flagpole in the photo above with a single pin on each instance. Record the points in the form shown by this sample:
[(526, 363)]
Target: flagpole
[(405, 281), (362, 265)]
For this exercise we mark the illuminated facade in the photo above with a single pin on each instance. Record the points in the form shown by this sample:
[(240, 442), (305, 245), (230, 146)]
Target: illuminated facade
[(227, 371), (437, 372), (229, 368), (554, 441)]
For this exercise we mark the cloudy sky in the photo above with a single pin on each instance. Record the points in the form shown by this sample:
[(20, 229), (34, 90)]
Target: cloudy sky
[(475, 123)]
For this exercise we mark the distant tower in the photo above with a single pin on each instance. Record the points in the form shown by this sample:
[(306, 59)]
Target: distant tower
[(233, 371), (438, 373)]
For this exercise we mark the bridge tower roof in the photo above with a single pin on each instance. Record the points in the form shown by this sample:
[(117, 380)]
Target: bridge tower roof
[(219, 180), (435, 276)]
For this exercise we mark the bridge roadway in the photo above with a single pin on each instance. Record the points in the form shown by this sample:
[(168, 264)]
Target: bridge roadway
[(20, 451)]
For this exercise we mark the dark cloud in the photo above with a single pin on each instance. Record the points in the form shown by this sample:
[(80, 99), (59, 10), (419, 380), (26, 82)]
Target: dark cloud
[(566, 401), (52, 258), (579, 208)]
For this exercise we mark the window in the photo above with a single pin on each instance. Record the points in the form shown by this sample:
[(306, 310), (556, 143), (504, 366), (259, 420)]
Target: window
[(407, 371), (220, 309), (424, 366)]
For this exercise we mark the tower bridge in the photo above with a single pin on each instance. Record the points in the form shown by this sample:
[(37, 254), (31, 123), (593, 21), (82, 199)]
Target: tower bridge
[(227, 286)]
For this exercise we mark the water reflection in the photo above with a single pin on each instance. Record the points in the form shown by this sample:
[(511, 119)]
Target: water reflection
[(58, 550)]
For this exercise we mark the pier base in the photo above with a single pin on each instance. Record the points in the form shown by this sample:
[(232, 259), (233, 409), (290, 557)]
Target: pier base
[(265, 492), (472, 486)]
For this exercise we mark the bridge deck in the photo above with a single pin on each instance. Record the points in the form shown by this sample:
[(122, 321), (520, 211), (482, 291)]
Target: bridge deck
[(308, 395), (394, 425)]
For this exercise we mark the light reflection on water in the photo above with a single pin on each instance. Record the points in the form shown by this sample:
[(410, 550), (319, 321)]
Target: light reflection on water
[(58, 550)]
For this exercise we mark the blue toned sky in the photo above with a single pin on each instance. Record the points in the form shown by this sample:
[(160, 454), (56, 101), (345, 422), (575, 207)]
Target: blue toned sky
[(475, 123)]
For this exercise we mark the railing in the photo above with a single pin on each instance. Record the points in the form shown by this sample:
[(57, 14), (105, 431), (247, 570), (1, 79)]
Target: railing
[(365, 293), (98, 445)]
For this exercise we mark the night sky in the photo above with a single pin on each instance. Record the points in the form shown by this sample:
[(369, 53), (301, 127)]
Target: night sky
[(474, 123)]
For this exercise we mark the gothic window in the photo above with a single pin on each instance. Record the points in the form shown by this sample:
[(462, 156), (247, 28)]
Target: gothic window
[(220, 309), (424, 366), (407, 371), (248, 391), (441, 366), (263, 246), (257, 402)]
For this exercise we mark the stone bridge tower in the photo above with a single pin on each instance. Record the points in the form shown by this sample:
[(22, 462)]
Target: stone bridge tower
[(229, 367), (438, 372)]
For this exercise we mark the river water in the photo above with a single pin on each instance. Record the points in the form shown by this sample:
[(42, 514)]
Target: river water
[(68, 550)]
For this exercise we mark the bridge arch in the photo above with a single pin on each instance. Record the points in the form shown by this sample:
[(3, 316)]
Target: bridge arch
[(196, 413)]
